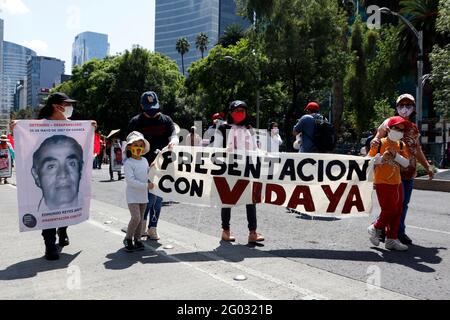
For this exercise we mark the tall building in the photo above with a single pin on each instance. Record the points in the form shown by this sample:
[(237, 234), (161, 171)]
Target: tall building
[(15, 58), (43, 74), (187, 18), (89, 45)]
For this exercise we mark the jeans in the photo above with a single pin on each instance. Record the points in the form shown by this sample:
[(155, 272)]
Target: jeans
[(408, 186), (49, 235), (154, 208), (251, 217)]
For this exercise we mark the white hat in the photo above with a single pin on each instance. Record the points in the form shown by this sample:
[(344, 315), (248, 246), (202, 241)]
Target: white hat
[(136, 136), (406, 96), (4, 138)]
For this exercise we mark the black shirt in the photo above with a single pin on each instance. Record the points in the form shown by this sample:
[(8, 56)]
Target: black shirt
[(157, 131)]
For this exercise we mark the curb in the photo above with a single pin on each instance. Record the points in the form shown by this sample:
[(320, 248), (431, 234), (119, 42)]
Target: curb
[(432, 185)]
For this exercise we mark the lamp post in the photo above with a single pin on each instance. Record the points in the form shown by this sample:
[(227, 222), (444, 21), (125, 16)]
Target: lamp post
[(257, 78), (419, 36)]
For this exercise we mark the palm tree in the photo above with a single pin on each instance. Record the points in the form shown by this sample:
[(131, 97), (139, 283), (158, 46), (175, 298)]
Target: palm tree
[(182, 47), (201, 42), (232, 34)]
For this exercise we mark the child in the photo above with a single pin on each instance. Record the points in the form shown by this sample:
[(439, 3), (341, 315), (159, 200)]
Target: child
[(136, 176), (389, 156)]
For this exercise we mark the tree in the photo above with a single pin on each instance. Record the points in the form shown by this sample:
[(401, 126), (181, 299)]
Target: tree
[(232, 34), (182, 47), (201, 42), (28, 113)]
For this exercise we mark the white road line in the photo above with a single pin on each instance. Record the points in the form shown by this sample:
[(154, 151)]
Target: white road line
[(431, 230)]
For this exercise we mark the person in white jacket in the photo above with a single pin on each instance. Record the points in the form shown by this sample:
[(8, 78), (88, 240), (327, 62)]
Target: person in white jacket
[(136, 177), (275, 138)]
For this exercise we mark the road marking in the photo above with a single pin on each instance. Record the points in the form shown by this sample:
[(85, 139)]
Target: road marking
[(431, 230)]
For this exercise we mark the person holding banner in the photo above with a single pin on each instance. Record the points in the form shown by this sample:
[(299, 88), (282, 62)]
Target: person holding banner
[(239, 136), (306, 127), (160, 131), (136, 176), (6, 158), (390, 154)]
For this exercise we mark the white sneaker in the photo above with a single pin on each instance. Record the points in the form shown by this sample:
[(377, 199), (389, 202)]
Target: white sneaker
[(374, 235), (153, 234), (395, 244)]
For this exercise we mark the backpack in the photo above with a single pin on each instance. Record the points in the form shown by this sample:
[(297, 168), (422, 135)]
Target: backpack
[(324, 135)]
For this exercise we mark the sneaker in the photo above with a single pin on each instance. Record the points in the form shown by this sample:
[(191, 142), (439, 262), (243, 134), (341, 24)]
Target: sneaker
[(404, 239), (395, 244), (228, 236), (51, 252), (254, 237), (374, 235), (63, 238), (152, 234), (128, 243), (382, 236), (138, 245)]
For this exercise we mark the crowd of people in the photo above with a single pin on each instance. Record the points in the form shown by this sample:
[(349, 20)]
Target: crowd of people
[(394, 146)]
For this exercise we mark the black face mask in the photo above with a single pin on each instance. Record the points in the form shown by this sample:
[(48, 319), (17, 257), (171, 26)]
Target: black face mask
[(151, 112)]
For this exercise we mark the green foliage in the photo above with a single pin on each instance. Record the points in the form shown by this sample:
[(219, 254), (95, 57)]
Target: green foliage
[(201, 42), (382, 111), (182, 47), (28, 113), (232, 34)]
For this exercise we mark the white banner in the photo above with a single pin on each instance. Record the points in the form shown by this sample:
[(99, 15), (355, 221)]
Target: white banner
[(318, 184), (54, 169), (5, 163)]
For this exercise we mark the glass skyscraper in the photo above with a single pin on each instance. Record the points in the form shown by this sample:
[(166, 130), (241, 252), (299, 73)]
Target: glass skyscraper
[(89, 45), (176, 19)]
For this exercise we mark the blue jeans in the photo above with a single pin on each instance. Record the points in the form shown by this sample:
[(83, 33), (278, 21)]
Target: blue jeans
[(407, 190), (154, 208)]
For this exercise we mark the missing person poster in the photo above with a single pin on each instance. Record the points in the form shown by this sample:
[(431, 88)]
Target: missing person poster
[(54, 169), (317, 184)]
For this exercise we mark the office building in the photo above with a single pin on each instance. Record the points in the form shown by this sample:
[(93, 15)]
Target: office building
[(89, 45), (176, 19)]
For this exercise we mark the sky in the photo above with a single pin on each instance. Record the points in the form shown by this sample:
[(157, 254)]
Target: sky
[(49, 27)]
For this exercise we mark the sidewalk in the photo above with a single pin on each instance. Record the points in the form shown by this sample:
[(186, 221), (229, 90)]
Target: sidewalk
[(440, 182), (95, 266)]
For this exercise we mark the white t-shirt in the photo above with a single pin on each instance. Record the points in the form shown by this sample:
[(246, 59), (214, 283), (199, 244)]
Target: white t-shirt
[(136, 177), (275, 142)]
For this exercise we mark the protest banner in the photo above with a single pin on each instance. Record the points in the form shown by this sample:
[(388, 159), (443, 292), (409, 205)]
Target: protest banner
[(54, 168), (317, 184), (5, 163)]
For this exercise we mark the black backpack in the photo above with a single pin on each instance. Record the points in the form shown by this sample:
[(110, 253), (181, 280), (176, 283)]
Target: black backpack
[(324, 135)]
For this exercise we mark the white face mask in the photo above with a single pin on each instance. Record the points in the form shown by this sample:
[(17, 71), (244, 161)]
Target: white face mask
[(404, 112), (68, 110), (395, 135), (275, 130)]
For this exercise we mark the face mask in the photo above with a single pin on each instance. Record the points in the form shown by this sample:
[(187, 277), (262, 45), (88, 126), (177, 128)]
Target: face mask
[(404, 112), (395, 135), (68, 111), (238, 117), (137, 151), (275, 130), (151, 112)]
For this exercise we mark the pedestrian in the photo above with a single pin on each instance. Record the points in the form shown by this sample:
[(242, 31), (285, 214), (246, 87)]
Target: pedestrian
[(390, 154), (136, 176), (406, 109), (218, 120), (97, 147), (373, 133), (193, 139), (275, 138), (238, 134), (115, 155), (6, 158), (306, 127), (57, 107), (159, 130)]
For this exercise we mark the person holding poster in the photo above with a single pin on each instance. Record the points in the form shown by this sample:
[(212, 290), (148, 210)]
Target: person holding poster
[(136, 176), (239, 136), (57, 170), (6, 158), (390, 154)]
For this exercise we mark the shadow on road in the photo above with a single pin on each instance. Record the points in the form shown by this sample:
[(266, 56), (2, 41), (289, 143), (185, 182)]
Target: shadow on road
[(30, 268), (416, 258)]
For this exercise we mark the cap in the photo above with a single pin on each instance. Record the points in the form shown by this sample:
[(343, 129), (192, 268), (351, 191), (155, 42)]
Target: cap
[(149, 100), (4, 138), (406, 96), (58, 98), (395, 121), (136, 136), (237, 104), (313, 106), (218, 115)]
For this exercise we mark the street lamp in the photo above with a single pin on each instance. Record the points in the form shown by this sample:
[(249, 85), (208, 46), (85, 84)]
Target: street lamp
[(419, 36), (257, 78)]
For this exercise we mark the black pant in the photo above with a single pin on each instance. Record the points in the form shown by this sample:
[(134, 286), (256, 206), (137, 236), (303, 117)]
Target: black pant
[(251, 217), (50, 235)]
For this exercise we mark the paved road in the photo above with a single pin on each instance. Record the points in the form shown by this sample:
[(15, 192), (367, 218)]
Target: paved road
[(302, 258)]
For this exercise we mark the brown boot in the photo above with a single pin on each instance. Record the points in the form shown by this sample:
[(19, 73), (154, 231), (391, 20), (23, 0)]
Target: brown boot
[(254, 237), (228, 236)]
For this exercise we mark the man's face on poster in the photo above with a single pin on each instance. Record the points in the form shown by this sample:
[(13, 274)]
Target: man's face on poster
[(57, 172)]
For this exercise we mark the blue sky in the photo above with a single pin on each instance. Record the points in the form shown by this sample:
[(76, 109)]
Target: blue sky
[(50, 26)]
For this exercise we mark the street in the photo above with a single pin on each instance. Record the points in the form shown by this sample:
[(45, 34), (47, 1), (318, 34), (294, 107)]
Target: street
[(301, 258)]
